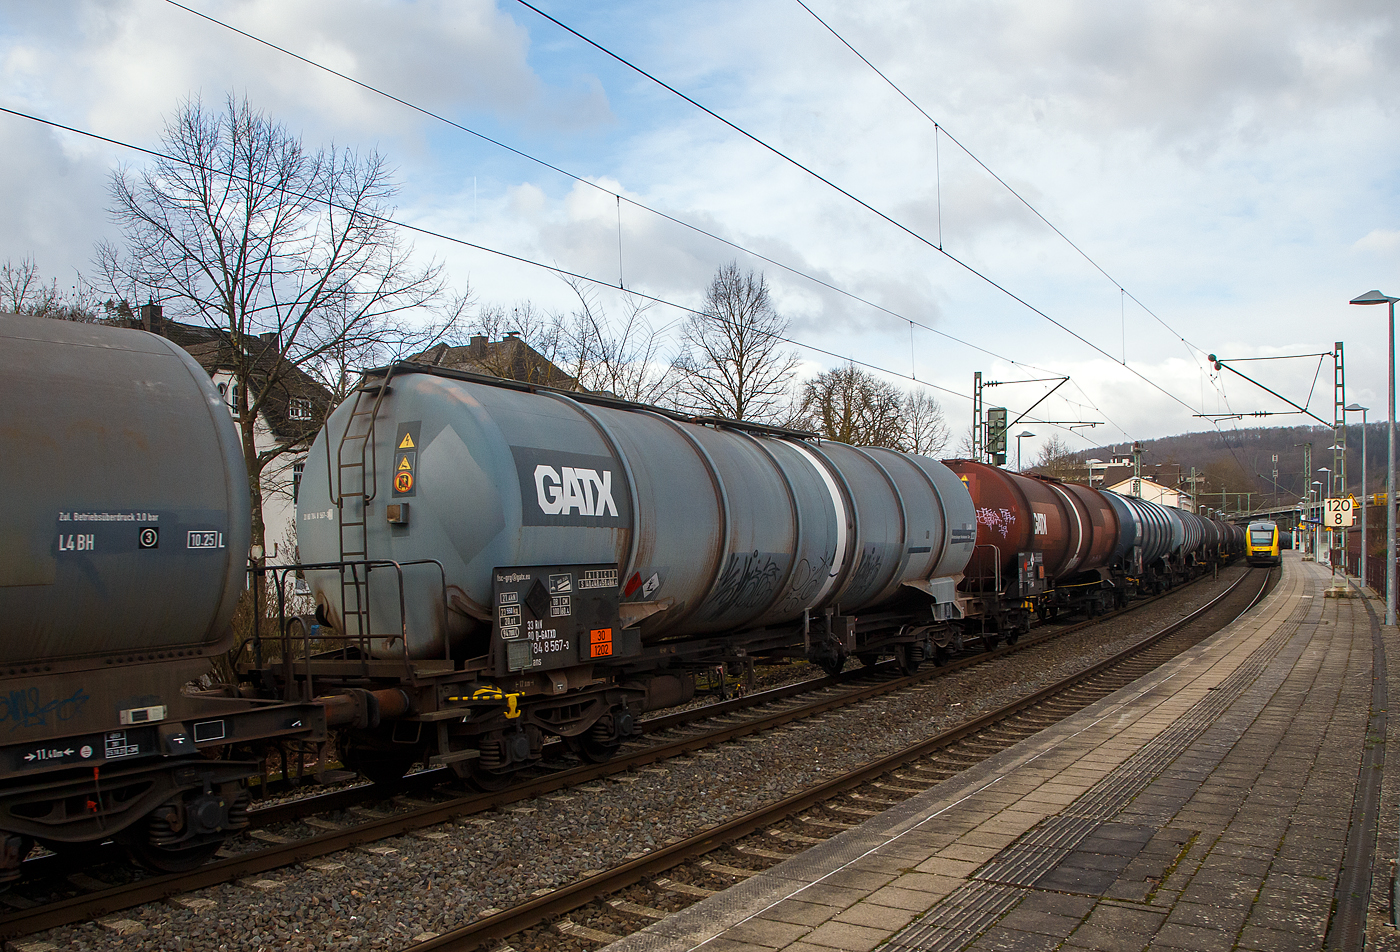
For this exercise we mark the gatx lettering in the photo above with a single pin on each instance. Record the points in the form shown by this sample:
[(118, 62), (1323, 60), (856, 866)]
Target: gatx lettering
[(567, 489)]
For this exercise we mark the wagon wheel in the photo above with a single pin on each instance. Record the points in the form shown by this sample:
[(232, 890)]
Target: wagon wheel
[(490, 781), (385, 767), (9, 874), (909, 658), (163, 859), (592, 749)]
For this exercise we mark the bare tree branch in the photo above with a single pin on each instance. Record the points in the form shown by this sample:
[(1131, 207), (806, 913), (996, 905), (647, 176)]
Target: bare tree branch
[(853, 406), (285, 250), (926, 428), (731, 365)]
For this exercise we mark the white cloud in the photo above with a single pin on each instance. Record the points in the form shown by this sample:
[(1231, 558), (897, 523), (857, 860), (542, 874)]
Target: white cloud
[(1218, 160), (1379, 240)]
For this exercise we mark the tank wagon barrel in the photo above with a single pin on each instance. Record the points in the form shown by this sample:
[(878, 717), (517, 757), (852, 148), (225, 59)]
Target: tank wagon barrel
[(118, 579), (712, 528), (1046, 546), (587, 554)]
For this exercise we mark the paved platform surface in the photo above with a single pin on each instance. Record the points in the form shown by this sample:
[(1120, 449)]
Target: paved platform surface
[(1234, 799)]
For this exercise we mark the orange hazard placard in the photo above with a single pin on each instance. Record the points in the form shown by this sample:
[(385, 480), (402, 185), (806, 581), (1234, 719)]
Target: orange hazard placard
[(601, 642)]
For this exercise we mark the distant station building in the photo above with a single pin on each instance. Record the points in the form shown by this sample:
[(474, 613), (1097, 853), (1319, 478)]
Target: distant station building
[(1153, 491)]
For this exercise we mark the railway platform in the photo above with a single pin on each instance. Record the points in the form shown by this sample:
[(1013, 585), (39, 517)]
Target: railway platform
[(1236, 798)]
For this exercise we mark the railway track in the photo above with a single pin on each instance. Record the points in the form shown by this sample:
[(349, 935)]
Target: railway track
[(618, 901), (669, 736)]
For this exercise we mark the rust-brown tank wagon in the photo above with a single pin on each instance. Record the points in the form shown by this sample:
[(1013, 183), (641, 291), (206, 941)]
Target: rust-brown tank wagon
[(1072, 528), (1046, 546), (124, 554)]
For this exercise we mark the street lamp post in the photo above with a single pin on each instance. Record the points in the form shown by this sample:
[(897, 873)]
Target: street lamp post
[(1376, 297), (1019, 436), (1324, 492), (1314, 494), (1358, 408), (1337, 492), (1323, 488)]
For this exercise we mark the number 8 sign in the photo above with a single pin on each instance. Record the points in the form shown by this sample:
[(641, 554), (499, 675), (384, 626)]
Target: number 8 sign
[(1339, 513)]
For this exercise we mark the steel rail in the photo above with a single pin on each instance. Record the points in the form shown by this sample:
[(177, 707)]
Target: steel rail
[(159, 887), (500, 925)]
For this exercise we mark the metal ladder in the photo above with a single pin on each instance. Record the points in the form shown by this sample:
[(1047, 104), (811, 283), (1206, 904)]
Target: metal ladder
[(356, 467)]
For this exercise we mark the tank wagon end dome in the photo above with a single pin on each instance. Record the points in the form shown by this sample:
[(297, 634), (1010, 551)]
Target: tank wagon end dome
[(143, 489)]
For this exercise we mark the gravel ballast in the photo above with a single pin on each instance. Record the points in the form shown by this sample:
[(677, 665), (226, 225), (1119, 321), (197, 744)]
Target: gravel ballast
[(387, 895)]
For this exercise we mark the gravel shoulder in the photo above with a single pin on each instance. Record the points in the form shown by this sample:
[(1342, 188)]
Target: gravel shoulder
[(409, 887)]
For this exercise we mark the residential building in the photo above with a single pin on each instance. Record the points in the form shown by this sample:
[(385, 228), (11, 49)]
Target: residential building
[(290, 416), (510, 358), (1153, 491)]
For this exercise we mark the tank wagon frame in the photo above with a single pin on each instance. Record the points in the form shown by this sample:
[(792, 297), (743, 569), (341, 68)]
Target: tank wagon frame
[(755, 543), (500, 565)]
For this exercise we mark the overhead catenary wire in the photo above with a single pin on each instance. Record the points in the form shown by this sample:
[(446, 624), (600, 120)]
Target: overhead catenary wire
[(427, 232), (861, 202), (620, 198), (939, 127)]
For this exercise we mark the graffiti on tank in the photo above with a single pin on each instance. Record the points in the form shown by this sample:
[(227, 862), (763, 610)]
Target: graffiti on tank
[(998, 520), (870, 562), (807, 579), (747, 581), (25, 708)]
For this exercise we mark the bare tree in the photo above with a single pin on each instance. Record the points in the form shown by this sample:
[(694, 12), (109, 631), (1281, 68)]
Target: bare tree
[(967, 445), (287, 251), (926, 428), (619, 356), (1057, 459), (732, 364), (851, 405), (23, 291), (21, 286)]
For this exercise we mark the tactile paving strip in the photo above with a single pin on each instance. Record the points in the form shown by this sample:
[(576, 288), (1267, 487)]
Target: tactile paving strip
[(964, 914), (1000, 882)]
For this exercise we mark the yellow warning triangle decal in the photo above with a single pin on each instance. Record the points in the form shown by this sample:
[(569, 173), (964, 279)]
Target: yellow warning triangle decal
[(403, 464), (407, 443)]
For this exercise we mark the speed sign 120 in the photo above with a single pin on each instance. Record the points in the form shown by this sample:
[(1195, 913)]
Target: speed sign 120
[(1338, 513)]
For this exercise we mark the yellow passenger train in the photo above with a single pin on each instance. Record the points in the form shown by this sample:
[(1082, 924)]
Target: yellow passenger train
[(1262, 543)]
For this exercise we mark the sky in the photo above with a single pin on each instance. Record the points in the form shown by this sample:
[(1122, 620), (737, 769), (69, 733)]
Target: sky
[(1114, 190)]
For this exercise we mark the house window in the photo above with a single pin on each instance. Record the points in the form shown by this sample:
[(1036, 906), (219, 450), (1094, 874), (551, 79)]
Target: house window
[(299, 409), (296, 480)]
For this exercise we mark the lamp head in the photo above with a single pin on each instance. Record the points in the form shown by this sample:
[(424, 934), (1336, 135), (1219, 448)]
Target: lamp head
[(1355, 408), (1025, 433), (1374, 297)]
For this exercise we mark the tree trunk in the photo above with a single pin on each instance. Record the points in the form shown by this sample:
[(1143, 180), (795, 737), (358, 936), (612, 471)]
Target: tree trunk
[(247, 428)]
